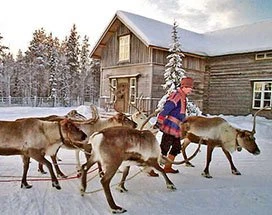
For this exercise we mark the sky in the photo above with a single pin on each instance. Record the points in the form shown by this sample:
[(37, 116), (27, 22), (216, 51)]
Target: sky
[(20, 18), (247, 194)]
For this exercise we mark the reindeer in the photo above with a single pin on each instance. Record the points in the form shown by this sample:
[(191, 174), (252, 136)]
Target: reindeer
[(34, 138), (141, 119), (112, 146), (73, 115), (90, 126), (217, 132)]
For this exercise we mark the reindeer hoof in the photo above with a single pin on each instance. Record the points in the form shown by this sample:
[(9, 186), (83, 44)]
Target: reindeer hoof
[(62, 176), (171, 187), (206, 175), (82, 192), (189, 165), (121, 189), (235, 172), (42, 171), (118, 210), (26, 186), (56, 185)]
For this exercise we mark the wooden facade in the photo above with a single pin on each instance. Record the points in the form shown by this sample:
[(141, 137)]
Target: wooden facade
[(223, 84), (230, 83)]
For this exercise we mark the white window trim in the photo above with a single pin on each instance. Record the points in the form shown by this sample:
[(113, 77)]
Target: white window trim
[(131, 87), (263, 56), (262, 91), (113, 83), (124, 48)]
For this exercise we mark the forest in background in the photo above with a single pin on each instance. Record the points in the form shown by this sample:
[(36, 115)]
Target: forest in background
[(61, 71)]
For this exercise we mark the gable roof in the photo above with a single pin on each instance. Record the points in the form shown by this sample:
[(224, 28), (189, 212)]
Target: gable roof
[(153, 33)]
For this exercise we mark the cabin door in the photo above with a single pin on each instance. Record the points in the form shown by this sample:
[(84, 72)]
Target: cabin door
[(122, 99)]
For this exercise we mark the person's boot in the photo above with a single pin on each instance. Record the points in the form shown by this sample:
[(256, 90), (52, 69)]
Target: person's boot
[(168, 166), (153, 174)]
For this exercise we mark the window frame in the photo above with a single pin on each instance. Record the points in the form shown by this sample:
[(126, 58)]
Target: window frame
[(124, 48), (263, 56), (132, 87), (113, 84), (262, 91)]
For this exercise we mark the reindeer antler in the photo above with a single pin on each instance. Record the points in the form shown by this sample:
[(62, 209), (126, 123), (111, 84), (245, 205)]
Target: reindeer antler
[(254, 119), (149, 117)]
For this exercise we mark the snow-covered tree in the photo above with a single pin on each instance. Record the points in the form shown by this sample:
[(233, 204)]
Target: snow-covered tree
[(84, 65), (53, 55), (72, 55), (174, 72)]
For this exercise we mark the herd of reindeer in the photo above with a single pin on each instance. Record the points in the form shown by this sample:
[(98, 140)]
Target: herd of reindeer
[(99, 138)]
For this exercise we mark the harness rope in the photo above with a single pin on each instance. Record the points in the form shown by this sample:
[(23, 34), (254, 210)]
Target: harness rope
[(40, 178), (97, 190)]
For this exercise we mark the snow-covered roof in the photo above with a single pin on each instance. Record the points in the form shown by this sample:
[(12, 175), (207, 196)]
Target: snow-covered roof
[(242, 39)]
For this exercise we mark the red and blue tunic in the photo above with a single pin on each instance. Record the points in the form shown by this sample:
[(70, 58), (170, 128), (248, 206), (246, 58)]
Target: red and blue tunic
[(173, 114)]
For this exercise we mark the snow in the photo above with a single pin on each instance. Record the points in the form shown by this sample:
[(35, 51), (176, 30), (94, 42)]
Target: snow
[(250, 193), (220, 42)]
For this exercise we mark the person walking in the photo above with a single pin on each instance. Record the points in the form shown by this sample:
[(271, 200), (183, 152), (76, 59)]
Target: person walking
[(169, 119)]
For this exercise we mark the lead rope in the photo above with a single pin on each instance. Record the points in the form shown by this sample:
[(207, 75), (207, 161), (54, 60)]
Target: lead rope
[(97, 190)]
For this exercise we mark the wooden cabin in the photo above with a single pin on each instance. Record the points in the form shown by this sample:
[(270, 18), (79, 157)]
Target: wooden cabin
[(232, 67)]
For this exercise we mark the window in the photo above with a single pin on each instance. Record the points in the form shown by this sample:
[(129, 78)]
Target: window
[(124, 48), (113, 86), (263, 56), (132, 91), (262, 94)]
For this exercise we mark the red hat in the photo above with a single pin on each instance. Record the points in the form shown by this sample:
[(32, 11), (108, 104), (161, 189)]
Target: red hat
[(187, 82)]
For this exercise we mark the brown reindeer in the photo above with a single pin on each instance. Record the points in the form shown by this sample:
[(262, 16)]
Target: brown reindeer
[(34, 138), (89, 127), (112, 146), (217, 132), (73, 115)]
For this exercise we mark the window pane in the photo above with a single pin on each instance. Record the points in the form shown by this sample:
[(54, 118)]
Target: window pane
[(257, 103), (267, 103), (258, 86), (258, 95), (269, 55), (267, 95), (267, 86)]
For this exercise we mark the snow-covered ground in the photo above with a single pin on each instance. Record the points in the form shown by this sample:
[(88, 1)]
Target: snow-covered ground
[(250, 193)]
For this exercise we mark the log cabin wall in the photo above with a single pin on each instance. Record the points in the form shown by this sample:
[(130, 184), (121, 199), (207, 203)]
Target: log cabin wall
[(230, 85)]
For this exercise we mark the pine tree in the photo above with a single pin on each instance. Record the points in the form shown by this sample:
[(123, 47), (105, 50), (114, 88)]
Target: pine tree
[(2, 48), (174, 72), (84, 66), (72, 55), (53, 56)]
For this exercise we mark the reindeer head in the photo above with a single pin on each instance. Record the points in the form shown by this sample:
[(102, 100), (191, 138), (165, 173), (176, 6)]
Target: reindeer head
[(73, 114), (246, 140), (71, 131), (123, 120)]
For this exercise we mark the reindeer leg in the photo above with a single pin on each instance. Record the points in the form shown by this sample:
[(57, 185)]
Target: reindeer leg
[(206, 172), (154, 163), (36, 154), (40, 169), (24, 183), (186, 142), (234, 171), (78, 167), (55, 162), (121, 185), (84, 169), (105, 181)]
